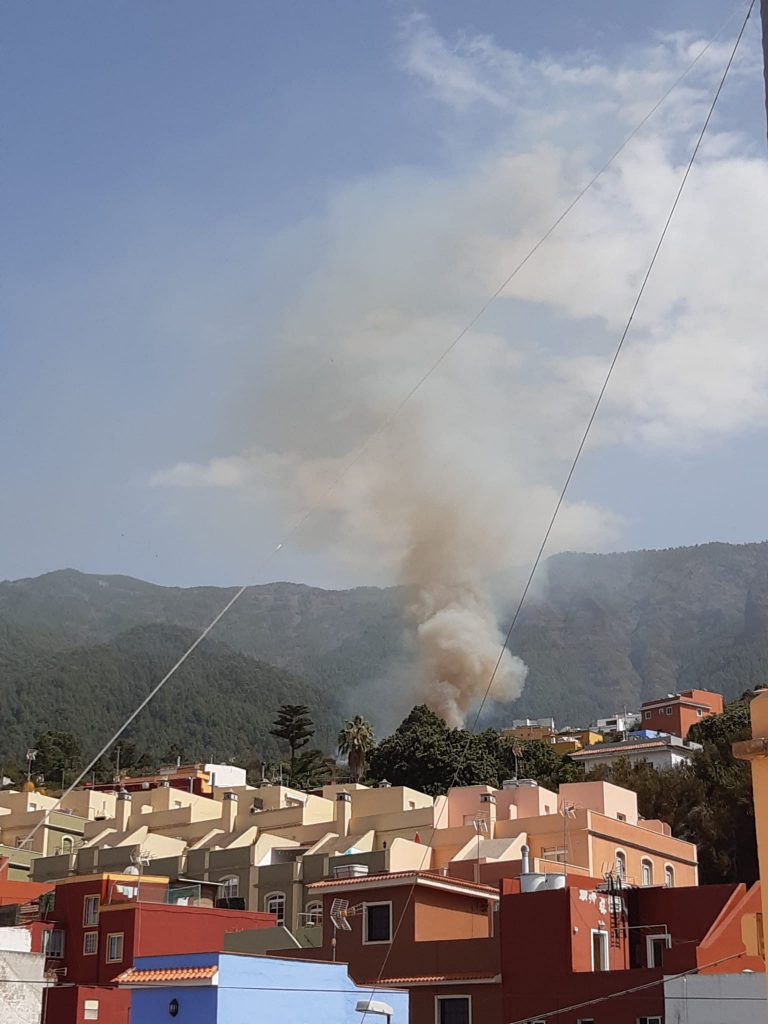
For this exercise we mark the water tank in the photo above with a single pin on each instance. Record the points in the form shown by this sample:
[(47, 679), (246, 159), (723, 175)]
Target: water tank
[(350, 871)]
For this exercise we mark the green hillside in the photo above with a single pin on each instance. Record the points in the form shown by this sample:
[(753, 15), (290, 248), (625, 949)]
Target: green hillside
[(604, 632)]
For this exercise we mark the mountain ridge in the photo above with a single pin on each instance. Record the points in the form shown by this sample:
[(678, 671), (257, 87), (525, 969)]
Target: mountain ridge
[(606, 630)]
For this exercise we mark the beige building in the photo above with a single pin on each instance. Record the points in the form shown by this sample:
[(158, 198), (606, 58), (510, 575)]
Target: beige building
[(264, 846)]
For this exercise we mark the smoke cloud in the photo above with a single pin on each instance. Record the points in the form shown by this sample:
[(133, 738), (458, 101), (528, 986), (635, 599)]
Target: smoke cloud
[(455, 491)]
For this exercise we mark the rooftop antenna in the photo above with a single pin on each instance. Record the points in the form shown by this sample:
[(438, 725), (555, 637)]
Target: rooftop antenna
[(340, 914)]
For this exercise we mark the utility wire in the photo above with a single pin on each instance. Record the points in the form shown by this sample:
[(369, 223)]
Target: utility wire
[(581, 446), (626, 991), (382, 426)]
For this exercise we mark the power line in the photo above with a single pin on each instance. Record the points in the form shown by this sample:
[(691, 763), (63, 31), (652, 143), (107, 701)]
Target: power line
[(626, 991), (585, 435)]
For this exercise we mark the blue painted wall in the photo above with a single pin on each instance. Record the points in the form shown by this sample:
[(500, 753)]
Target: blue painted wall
[(253, 989)]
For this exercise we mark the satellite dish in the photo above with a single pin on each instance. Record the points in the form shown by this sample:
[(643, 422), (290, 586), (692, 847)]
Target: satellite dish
[(131, 869)]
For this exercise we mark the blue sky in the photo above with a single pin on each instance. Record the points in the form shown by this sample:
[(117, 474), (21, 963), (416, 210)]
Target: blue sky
[(190, 186)]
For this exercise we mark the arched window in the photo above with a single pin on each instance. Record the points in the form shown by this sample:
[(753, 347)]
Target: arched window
[(647, 872), (230, 887), (314, 913), (669, 876), (67, 844), (621, 864), (274, 903)]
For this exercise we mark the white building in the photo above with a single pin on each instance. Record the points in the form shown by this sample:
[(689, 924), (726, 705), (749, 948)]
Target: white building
[(23, 978), (618, 723), (658, 749), (715, 999)]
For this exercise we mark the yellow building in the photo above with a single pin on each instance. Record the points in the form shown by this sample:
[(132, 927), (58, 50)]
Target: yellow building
[(756, 752)]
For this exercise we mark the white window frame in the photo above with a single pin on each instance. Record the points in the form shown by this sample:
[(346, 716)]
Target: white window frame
[(376, 942), (669, 711), (669, 876), (90, 1009), (58, 953), (458, 995), (225, 891), (645, 863), (90, 916), (648, 715), (313, 913), (90, 935), (699, 712), (67, 844), (620, 856), (606, 956), (649, 1020), (272, 896), (649, 941), (115, 959)]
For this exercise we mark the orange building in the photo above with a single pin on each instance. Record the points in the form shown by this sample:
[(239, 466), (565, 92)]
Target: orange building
[(677, 712)]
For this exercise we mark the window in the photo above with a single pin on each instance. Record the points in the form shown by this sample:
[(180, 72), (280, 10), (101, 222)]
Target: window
[(620, 816), (378, 923), (669, 876), (647, 714), (661, 711), (91, 1009), (586, 1020), (115, 948), (698, 712), (230, 887), (649, 1020), (646, 868), (314, 914), (67, 844), (621, 864), (90, 910), (655, 946), (599, 951), (554, 853), (275, 904), (90, 943), (453, 1010), (669, 711), (53, 944)]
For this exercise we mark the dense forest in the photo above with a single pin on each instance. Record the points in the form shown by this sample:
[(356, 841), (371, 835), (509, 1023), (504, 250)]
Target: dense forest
[(219, 705)]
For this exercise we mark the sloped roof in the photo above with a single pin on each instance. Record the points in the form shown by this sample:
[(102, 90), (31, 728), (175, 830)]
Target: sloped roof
[(137, 976)]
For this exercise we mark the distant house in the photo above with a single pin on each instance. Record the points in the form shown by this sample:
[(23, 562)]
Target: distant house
[(677, 712), (228, 988), (660, 750)]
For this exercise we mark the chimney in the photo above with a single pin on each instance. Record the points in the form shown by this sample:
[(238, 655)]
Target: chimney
[(229, 812), (123, 810), (488, 811), (525, 865), (343, 812)]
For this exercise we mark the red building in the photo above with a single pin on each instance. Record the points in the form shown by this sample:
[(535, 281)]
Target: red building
[(677, 712), (562, 953), (98, 925)]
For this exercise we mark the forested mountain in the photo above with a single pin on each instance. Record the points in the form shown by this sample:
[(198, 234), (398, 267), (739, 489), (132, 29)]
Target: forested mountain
[(605, 631), (219, 705)]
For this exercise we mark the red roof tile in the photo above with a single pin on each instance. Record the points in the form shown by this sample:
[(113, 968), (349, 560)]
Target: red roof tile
[(135, 976), (431, 979)]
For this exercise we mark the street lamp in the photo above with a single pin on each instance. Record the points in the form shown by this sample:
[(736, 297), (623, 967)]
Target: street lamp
[(375, 1008)]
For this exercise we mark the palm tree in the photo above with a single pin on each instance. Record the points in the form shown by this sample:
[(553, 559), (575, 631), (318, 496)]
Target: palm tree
[(356, 741)]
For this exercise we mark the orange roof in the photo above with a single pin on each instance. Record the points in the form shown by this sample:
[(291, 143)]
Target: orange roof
[(135, 976), (399, 876)]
